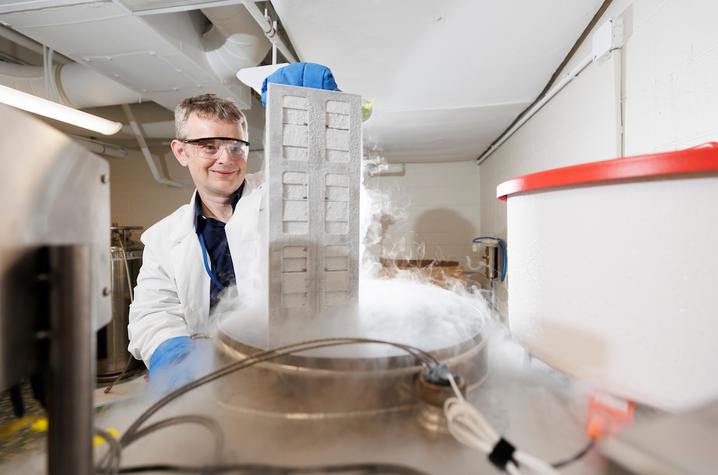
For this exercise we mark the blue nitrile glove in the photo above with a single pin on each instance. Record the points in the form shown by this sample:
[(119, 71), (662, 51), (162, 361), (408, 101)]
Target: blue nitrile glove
[(301, 74), (178, 361)]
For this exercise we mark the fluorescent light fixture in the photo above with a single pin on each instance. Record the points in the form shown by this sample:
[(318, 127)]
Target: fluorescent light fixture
[(53, 110)]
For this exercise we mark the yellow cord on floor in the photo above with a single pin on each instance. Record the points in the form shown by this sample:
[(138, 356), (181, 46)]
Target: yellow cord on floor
[(98, 440), (39, 424)]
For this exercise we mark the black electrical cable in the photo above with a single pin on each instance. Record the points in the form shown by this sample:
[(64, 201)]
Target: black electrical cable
[(113, 455), (131, 434), (578, 456), (277, 470), (210, 424), (419, 354)]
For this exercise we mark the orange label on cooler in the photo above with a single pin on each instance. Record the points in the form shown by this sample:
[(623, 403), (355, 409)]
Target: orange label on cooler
[(607, 414)]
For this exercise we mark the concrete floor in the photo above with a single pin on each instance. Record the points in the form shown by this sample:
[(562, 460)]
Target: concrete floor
[(25, 439)]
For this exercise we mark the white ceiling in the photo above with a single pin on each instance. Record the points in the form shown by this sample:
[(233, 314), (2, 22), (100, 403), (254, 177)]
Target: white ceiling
[(447, 76)]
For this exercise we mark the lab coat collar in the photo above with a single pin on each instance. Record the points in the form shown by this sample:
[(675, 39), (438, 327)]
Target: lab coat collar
[(184, 223), (199, 213)]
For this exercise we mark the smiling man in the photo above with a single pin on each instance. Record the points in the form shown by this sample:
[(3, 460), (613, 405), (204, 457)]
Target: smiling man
[(191, 256)]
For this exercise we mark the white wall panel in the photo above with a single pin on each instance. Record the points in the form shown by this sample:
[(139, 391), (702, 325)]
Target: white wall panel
[(669, 66), (435, 208), (671, 73), (136, 199), (579, 125)]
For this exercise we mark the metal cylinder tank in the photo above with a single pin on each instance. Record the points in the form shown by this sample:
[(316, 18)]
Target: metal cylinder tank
[(112, 340), (318, 386)]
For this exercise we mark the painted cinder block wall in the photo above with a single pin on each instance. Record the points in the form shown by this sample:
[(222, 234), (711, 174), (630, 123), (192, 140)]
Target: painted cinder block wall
[(435, 206), (432, 210), (136, 199), (659, 91)]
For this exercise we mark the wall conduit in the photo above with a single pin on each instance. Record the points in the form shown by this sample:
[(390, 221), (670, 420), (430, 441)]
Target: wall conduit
[(538, 105), (146, 150), (532, 109)]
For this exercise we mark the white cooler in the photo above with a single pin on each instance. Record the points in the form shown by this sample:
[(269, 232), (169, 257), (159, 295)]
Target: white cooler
[(613, 273)]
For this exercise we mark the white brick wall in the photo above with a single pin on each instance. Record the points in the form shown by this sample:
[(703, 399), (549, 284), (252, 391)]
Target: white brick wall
[(136, 199), (671, 75), (436, 210)]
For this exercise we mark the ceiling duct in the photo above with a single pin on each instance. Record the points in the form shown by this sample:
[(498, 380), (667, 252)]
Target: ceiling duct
[(163, 57), (234, 41), (78, 86)]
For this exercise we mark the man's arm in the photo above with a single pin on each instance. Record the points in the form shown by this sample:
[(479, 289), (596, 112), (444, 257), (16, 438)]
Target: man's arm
[(156, 315)]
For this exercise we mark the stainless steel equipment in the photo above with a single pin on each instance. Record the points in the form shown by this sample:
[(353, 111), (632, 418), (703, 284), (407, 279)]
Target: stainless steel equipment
[(54, 276), (112, 341), (338, 384), (313, 167), (318, 408), (353, 404)]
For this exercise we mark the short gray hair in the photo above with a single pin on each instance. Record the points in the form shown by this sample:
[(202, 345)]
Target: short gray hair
[(207, 106)]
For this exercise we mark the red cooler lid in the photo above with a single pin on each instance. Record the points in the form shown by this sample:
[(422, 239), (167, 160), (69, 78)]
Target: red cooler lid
[(697, 159)]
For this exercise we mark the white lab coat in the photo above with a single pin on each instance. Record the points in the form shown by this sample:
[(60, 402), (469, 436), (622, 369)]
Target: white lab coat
[(171, 298)]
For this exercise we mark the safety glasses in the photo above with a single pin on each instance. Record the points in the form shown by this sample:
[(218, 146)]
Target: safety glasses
[(210, 148)]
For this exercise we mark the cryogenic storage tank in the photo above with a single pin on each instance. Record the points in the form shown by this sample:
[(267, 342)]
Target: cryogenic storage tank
[(112, 341), (343, 383), (612, 269)]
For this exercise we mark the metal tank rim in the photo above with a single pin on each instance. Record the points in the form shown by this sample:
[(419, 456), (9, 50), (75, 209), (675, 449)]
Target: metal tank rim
[(471, 362), (238, 349)]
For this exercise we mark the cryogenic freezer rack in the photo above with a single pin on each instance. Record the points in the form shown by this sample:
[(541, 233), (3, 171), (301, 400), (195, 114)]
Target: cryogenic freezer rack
[(313, 158)]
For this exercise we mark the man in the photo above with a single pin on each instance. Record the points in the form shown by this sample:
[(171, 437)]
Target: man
[(192, 255)]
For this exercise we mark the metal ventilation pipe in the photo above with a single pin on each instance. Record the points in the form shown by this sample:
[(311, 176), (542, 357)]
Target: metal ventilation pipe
[(235, 41), (77, 85)]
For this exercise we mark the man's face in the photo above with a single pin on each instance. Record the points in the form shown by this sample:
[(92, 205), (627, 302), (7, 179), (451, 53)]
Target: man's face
[(218, 177)]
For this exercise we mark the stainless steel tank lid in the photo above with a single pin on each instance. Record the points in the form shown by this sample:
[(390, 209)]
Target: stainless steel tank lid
[(351, 380), (246, 333), (434, 319), (340, 362)]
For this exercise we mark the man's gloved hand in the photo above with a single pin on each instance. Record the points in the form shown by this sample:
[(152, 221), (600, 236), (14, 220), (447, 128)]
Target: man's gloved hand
[(301, 74), (178, 361)]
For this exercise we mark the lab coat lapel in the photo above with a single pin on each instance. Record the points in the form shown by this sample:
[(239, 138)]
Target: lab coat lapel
[(192, 279), (246, 238)]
